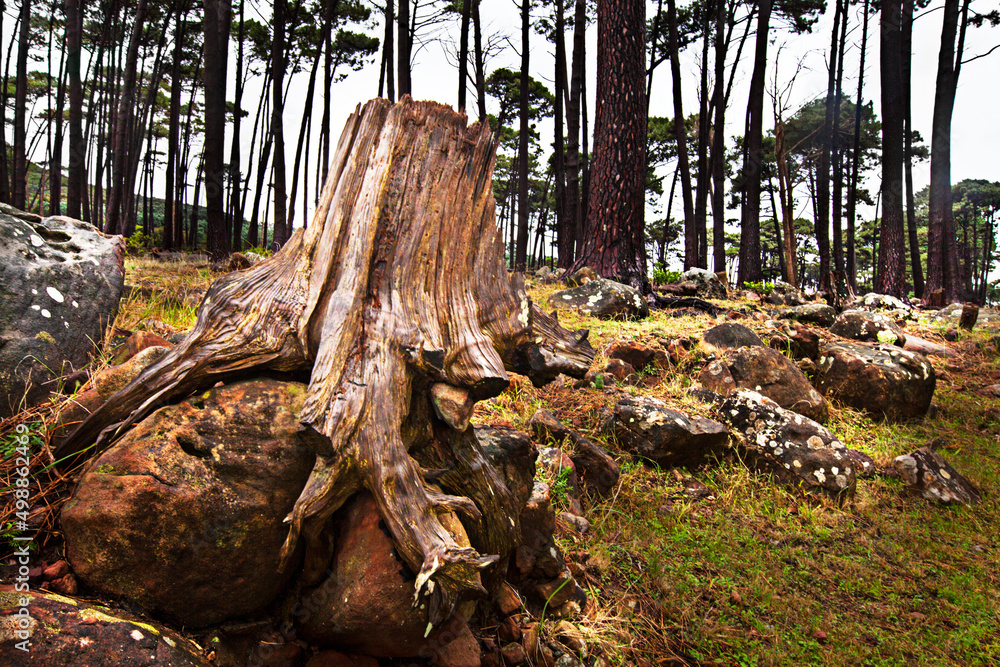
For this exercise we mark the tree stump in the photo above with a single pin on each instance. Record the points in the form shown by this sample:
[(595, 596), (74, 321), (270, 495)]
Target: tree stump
[(397, 303)]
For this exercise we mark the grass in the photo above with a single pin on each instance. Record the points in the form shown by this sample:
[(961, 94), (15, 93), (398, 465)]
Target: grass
[(750, 573)]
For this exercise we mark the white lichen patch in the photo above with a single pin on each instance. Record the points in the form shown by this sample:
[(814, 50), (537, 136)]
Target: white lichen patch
[(138, 636), (36, 240), (46, 313), (54, 294)]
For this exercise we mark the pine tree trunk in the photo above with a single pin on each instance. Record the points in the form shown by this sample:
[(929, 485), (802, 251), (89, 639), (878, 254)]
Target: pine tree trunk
[(836, 154), (20, 185), (403, 48), (890, 278), (753, 156), (523, 205), (719, 142), (233, 214), (394, 375), (463, 54), (852, 201), (916, 268), (564, 233), (218, 15), (170, 204), (823, 164), (77, 147), (574, 191), (614, 242), (704, 178), (278, 64), (680, 134), (480, 63)]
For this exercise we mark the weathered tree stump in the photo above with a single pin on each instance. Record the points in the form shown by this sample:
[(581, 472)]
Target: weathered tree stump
[(397, 303)]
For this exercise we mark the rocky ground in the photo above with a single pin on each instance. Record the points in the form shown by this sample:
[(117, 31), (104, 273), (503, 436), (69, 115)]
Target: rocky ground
[(746, 479)]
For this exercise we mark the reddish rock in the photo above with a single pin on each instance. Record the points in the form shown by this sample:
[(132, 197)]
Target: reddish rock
[(65, 585), (462, 651), (513, 655), (373, 589), (508, 601), (56, 570), (136, 343), (184, 516), (513, 455), (594, 466), (62, 631), (509, 631), (637, 355), (621, 371)]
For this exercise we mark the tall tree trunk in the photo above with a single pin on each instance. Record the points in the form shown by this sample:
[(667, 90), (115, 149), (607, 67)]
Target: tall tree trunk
[(523, 206), (170, 205), (704, 179), (480, 62), (836, 154), (824, 162), (218, 15), (55, 164), (719, 141), (388, 68), (942, 254), (852, 197), (753, 156), (891, 262), (463, 54), (4, 173), (20, 187), (916, 268), (76, 168), (306, 116), (564, 232), (404, 48), (235, 173), (574, 198), (116, 213), (280, 231), (615, 239), (680, 134)]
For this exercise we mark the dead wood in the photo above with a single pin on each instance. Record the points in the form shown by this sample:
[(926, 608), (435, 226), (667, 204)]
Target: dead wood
[(395, 297)]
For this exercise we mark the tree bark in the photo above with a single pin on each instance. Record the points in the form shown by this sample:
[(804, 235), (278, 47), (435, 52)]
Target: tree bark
[(852, 197), (680, 133), (20, 186), (480, 64), (916, 268), (890, 279), (278, 64), (614, 242), (564, 233), (523, 206), (463, 54), (346, 301), (116, 222), (942, 254), (218, 14), (574, 191), (77, 148), (233, 214), (750, 258), (403, 48), (719, 141)]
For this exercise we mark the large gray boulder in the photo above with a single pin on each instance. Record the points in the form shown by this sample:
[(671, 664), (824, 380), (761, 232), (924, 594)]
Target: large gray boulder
[(602, 298), (886, 382), (60, 283), (794, 449), (768, 372), (708, 284), (184, 516), (868, 326), (648, 428), (819, 314)]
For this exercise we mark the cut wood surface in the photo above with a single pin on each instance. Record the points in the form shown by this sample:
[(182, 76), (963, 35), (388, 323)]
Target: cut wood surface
[(397, 303)]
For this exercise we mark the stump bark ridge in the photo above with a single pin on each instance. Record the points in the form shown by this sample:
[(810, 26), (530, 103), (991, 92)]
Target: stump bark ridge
[(397, 303)]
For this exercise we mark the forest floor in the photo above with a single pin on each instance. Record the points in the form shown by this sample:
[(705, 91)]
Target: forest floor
[(737, 570)]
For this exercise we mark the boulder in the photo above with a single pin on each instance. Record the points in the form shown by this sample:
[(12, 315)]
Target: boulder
[(890, 306), (184, 516), (928, 348), (99, 389), (637, 355), (794, 449), (365, 605), (709, 285), (819, 314), (784, 294), (582, 276), (60, 283), (886, 382), (929, 474), (64, 631), (602, 298), (136, 343), (648, 428), (865, 326), (594, 466), (621, 371), (768, 372), (797, 340), (513, 455), (729, 336)]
